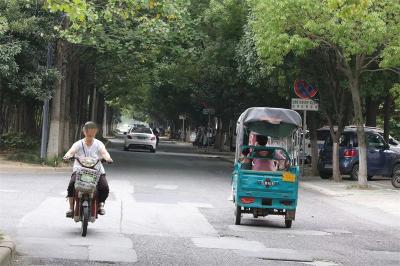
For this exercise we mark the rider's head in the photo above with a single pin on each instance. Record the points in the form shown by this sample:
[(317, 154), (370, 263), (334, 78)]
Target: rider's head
[(90, 130), (261, 140)]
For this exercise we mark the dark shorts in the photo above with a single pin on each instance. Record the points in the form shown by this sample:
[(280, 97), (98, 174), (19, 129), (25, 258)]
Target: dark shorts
[(102, 187)]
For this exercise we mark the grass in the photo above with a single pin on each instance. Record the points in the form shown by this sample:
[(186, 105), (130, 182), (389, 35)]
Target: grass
[(31, 156), (356, 186)]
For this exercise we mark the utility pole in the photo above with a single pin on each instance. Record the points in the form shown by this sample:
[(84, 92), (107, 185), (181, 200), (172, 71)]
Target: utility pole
[(46, 107)]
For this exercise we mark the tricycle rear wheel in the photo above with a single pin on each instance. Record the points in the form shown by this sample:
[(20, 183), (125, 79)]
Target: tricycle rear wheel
[(238, 214), (288, 223)]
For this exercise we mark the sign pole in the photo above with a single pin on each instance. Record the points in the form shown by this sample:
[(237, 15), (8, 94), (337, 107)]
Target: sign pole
[(208, 132), (304, 142), (183, 129)]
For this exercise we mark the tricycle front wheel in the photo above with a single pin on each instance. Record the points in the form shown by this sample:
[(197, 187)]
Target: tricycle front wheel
[(238, 214)]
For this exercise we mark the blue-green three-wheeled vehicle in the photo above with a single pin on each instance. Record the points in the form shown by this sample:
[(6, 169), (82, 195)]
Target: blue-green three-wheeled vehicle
[(266, 171)]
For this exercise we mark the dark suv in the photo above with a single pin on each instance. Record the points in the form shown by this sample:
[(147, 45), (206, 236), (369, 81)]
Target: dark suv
[(380, 159)]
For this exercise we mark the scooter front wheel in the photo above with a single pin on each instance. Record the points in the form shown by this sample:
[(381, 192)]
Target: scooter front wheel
[(85, 221)]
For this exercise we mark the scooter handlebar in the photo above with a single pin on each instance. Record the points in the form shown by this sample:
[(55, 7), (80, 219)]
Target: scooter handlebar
[(70, 159)]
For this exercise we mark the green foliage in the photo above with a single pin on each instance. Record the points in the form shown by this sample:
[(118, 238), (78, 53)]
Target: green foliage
[(350, 28), (25, 31), (17, 141)]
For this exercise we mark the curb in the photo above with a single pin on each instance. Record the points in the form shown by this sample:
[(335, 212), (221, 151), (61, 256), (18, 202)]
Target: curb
[(30, 169), (225, 159), (319, 189), (7, 251)]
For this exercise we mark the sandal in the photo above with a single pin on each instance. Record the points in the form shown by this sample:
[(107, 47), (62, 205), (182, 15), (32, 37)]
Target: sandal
[(69, 214), (102, 211)]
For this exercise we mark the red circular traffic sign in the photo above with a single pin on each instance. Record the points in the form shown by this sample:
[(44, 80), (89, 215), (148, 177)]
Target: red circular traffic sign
[(304, 90)]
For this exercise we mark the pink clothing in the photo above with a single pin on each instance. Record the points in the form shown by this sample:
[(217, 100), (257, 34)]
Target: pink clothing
[(264, 165)]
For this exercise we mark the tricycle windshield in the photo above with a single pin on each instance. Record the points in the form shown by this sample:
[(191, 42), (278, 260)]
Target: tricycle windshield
[(280, 126)]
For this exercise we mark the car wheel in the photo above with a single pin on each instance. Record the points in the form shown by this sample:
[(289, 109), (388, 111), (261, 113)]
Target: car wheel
[(354, 172), (324, 175), (126, 148), (153, 150), (396, 176), (369, 178)]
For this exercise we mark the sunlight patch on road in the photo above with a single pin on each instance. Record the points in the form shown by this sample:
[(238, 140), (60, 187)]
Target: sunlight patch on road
[(166, 187)]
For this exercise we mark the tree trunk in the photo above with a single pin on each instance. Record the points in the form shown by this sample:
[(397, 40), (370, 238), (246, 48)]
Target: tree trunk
[(67, 109), (335, 161), (387, 115), (74, 126), (54, 147), (105, 129), (362, 145), (371, 112), (99, 113)]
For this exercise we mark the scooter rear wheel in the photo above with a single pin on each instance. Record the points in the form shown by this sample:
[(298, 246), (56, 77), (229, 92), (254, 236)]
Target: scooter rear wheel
[(85, 221)]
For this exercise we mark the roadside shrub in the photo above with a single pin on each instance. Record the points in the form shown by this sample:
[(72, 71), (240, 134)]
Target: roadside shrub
[(17, 141)]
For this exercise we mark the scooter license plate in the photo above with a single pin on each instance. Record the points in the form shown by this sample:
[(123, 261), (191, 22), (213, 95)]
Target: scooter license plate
[(87, 178)]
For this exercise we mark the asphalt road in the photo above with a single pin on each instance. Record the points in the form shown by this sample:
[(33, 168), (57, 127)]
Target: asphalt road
[(172, 208)]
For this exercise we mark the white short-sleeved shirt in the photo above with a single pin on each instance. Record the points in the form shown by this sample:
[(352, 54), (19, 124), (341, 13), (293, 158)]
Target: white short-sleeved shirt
[(93, 151)]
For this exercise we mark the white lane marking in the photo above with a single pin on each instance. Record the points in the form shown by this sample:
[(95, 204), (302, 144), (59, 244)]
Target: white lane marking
[(279, 254), (56, 250), (160, 219), (45, 232), (105, 253), (337, 231), (229, 243), (166, 187), (177, 220), (245, 228), (197, 205), (123, 190), (321, 263), (8, 191)]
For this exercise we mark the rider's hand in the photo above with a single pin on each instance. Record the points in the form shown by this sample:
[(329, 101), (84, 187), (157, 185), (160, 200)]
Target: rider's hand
[(109, 160), (66, 158)]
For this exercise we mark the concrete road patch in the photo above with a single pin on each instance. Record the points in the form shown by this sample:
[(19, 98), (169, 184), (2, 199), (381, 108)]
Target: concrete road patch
[(230, 243), (245, 228)]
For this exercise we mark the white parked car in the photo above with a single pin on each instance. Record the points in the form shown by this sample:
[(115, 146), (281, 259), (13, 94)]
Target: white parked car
[(140, 138)]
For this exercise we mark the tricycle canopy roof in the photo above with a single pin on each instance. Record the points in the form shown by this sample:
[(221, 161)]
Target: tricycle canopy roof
[(273, 122)]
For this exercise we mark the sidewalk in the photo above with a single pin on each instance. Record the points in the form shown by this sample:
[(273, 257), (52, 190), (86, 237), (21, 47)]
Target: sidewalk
[(7, 165), (385, 199), (224, 155), (7, 251)]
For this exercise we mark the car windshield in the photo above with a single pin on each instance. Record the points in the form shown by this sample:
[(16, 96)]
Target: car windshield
[(344, 140), (141, 130), (323, 134), (392, 141)]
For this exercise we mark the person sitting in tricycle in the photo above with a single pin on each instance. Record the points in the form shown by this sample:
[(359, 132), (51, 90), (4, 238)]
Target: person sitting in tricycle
[(263, 159)]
